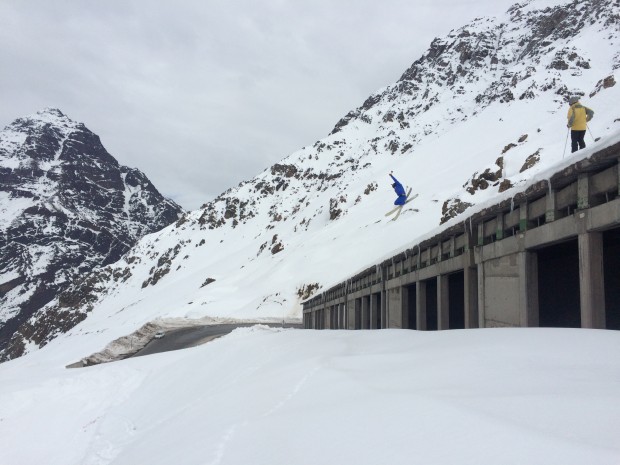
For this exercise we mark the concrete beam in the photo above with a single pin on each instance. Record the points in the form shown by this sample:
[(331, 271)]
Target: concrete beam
[(591, 280)]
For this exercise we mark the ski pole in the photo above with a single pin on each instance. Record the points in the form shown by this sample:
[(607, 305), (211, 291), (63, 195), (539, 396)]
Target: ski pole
[(564, 153), (590, 133)]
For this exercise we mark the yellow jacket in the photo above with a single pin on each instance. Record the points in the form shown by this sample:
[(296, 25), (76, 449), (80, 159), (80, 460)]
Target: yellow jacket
[(578, 116)]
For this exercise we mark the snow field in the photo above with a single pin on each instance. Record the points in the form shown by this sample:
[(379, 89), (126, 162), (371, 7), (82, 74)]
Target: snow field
[(271, 396)]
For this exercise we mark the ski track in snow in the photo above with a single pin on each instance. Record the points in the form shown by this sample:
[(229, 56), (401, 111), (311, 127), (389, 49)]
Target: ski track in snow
[(223, 443)]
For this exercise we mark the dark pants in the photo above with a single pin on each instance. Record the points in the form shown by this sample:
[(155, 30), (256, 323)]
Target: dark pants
[(577, 140)]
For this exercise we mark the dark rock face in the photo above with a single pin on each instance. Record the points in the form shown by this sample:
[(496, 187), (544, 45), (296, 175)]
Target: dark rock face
[(68, 207)]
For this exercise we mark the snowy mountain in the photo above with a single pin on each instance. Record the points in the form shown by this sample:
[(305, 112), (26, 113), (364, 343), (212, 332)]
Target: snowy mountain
[(481, 112), (67, 207)]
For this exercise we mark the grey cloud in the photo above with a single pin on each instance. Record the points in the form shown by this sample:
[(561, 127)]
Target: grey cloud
[(203, 94)]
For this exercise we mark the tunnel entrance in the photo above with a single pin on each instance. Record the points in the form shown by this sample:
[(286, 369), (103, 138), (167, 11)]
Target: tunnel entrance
[(456, 300), (611, 265), (431, 305), (558, 285)]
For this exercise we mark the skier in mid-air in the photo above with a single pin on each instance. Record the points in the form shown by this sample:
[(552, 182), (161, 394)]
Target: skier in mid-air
[(400, 191), (404, 197)]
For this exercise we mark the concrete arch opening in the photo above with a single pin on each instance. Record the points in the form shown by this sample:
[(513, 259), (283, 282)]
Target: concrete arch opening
[(611, 265), (456, 300), (375, 311), (558, 285), (431, 304), (410, 320)]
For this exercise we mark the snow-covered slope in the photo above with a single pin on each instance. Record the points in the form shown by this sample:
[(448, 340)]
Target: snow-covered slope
[(482, 110), (280, 397), (66, 206)]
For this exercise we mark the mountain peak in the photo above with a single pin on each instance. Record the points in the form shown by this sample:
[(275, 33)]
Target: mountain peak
[(51, 112), (52, 116)]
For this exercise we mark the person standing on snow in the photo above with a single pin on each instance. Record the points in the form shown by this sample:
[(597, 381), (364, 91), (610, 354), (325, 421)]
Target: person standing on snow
[(400, 191), (578, 117)]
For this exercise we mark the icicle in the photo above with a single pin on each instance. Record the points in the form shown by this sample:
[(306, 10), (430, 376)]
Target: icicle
[(512, 204)]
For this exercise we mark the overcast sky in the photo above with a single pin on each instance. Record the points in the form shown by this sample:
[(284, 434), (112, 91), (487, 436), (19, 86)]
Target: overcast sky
[(201, 95)]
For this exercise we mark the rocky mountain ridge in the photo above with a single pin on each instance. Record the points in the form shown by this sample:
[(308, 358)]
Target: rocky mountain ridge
[(67, 207), (477, 114)]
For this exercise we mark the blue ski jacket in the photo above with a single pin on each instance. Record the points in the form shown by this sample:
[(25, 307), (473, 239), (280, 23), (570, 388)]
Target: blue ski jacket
[(400, 191), (398, 187)]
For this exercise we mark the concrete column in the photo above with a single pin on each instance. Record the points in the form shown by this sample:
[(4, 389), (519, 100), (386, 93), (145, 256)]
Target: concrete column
[(528, 289), (618, 170), (443, 302), (350, 314), (397, 298), (552, 209), (328, 317), (365, 312), (420, 295), (375, 308), (591, 280), (583, 192), (481, 302), (384, 311), (471, 297)]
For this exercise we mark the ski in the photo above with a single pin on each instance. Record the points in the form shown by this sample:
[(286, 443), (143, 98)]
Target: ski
[(393, 210), (400, 206)]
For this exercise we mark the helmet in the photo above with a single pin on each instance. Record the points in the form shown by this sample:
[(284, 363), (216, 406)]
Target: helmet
[(573, 99)]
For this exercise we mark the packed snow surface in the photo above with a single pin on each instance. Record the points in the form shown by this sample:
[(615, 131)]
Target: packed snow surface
[(281, 396)]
